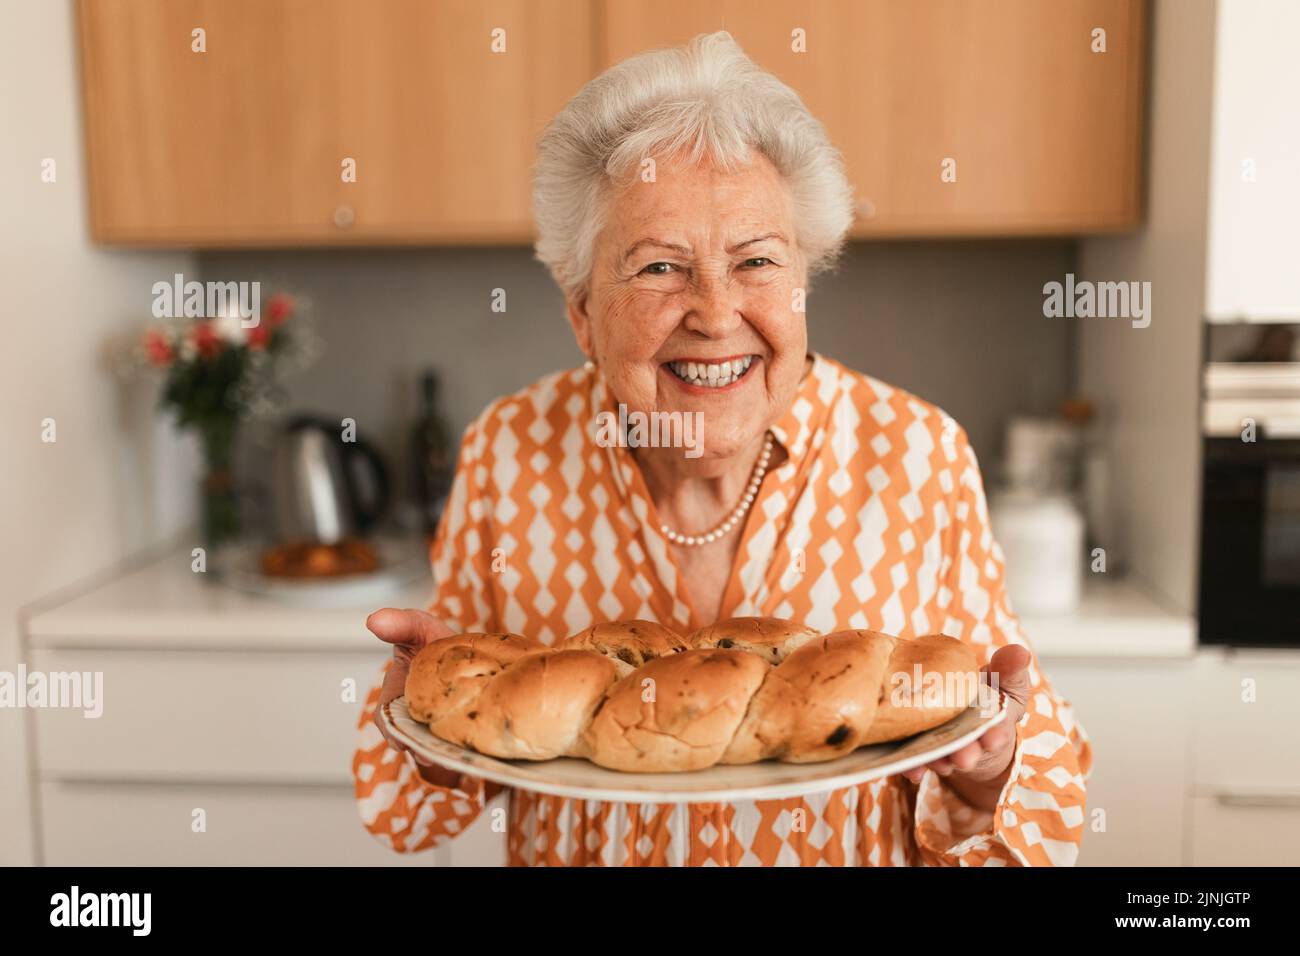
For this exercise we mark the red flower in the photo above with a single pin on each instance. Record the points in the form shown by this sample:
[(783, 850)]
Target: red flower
[(259, 336), (206, 341), (158, 348), (279, 309)]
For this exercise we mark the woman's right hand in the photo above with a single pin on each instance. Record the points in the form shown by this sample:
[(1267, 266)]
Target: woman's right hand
[(408, 631)]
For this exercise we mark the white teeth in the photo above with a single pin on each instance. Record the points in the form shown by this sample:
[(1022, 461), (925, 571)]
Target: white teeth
[(716, 375)]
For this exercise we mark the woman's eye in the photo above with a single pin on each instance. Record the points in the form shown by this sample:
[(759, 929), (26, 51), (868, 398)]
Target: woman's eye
[(757, 262), (658, 268)]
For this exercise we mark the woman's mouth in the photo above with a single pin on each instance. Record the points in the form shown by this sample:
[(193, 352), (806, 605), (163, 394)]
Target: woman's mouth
[(715, 374)]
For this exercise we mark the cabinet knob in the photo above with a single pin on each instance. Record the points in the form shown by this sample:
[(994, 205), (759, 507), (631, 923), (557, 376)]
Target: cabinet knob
[(344, 216), (865, 208)]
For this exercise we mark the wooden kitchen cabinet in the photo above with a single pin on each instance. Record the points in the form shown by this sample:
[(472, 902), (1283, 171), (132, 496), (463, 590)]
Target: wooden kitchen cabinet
[(244, 144), (1045, 133)]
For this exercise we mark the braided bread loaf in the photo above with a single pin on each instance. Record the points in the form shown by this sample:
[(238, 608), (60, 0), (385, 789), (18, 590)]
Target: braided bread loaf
[(636, 696)]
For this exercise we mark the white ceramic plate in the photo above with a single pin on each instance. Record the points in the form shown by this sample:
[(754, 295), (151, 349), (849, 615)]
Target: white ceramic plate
[(402, 562), (769, 780)]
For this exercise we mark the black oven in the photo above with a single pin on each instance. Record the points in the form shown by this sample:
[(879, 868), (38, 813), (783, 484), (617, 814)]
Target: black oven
[(1250, 542), (1250, 511)]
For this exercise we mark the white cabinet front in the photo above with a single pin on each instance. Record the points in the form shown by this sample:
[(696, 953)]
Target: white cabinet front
[(223, 716), (103, 824)]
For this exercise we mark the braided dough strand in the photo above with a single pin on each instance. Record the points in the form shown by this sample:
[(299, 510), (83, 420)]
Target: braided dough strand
[(636, 696)]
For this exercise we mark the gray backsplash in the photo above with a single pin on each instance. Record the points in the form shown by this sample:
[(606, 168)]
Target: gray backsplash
[(958, 323)]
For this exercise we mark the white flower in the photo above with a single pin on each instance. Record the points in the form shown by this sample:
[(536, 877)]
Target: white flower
[(230, 328)]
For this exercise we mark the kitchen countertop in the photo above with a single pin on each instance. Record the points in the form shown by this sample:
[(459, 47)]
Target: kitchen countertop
[(162, 604), (1115, 619), (165, 605)]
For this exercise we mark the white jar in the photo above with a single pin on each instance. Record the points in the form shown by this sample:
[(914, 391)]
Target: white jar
[(1042, 540)]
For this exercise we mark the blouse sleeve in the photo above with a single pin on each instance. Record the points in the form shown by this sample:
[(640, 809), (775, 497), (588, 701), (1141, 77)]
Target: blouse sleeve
[(398, 806), (1039, 817)]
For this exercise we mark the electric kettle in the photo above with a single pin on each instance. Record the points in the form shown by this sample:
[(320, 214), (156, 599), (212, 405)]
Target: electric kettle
[(328, 485)]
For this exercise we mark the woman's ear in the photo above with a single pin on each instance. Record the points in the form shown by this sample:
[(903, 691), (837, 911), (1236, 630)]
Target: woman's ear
[(580, 321)]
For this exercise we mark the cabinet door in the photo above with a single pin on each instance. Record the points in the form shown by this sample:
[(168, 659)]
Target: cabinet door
[(1254, 215), (1247, 727), (154, 824), (1045, 133), (231, 716), (246, 142), (1135, 714), (1246, 830)]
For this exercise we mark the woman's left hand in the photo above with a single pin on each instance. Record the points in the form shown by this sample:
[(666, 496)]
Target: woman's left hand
[(979, 771)]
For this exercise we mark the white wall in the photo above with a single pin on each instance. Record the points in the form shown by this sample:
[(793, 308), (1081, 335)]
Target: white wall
[(116, 480), (1146, 380), (1254, 259)]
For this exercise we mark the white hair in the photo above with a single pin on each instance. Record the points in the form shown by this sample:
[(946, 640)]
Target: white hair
[(706, 97)]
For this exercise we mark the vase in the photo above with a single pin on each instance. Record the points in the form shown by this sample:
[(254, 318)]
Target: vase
[(219, 498)]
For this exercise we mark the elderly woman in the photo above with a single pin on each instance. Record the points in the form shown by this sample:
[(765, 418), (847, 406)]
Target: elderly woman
[(684, 198)]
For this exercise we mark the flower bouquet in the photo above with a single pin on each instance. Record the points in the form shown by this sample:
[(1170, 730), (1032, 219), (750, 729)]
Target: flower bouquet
[(217, 371)]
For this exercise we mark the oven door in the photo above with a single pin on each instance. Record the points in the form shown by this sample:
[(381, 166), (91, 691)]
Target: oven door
[(1250, 543)]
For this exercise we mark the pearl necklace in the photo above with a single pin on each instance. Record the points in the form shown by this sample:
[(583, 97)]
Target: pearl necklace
[(738, 513)]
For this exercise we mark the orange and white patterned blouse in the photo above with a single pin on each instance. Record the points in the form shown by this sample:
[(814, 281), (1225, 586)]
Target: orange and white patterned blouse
[(876, 520)]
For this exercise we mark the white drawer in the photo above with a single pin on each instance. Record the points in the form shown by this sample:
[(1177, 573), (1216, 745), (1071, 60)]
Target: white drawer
[(97, 824), (1245, 828), (479, 844), (1247, 744), (1135, 713), (219, 716)]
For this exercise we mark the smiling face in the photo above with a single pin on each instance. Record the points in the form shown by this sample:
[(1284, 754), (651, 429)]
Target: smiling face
[(691, 299)]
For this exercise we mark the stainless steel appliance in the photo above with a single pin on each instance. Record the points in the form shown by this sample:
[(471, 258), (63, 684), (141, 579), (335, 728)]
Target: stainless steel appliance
[(1250, 530), (327, 488)]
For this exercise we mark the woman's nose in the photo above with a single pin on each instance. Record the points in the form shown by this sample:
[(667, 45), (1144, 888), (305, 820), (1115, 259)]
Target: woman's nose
[(714, 306)]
